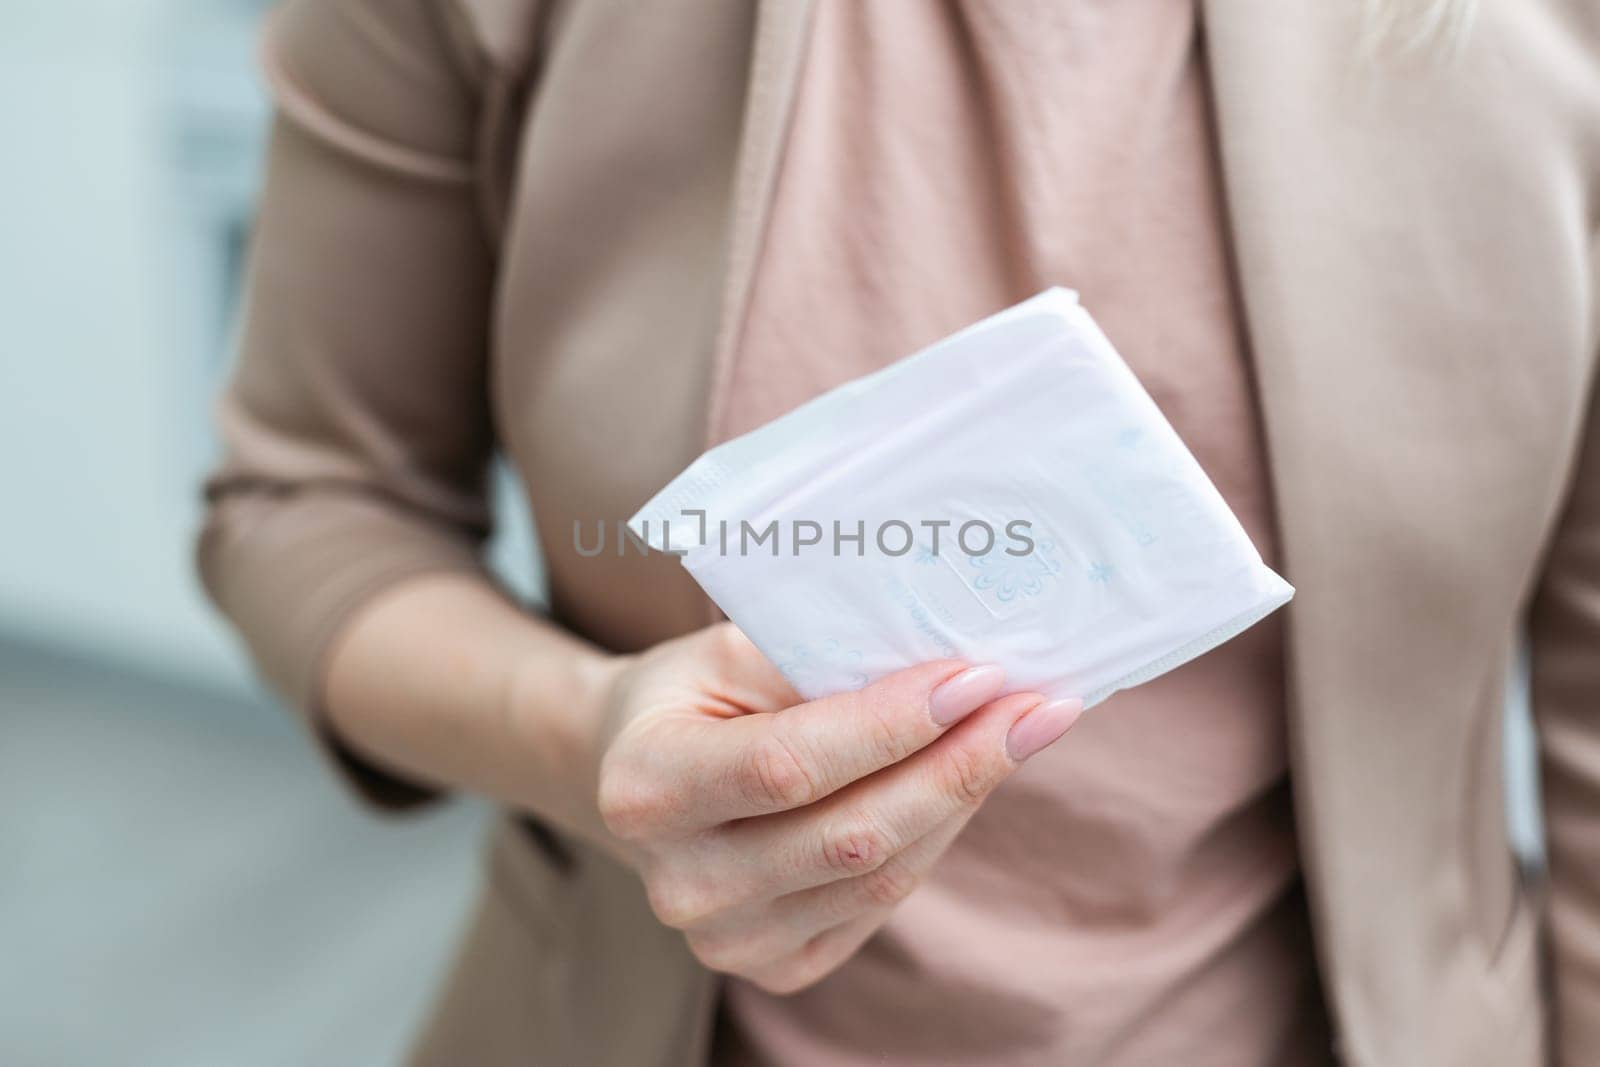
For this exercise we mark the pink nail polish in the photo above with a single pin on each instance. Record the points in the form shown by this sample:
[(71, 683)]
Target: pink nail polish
[(955, 698), (1042, 727)]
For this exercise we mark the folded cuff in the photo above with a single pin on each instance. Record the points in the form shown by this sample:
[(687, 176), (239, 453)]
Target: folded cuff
[(290, 568)]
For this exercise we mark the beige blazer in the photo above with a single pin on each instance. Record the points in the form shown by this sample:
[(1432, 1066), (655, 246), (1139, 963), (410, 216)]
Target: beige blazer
[(542, 219)]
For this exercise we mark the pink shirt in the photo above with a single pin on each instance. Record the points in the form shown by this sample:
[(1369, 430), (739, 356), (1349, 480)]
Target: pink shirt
[(1131, 896)]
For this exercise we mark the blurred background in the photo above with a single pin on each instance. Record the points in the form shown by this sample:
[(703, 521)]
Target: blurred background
[(180, 881)]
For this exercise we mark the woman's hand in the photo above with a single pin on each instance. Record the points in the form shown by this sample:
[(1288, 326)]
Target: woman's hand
[(778, 835)]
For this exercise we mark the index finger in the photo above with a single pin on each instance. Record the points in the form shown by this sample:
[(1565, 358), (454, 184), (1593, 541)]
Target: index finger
[(777, 761)]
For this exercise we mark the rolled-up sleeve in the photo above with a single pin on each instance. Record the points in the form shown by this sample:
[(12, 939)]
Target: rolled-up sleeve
[(356, 425)]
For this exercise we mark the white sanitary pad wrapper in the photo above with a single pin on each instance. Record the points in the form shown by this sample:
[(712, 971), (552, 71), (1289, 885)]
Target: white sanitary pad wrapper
[(847, 538)]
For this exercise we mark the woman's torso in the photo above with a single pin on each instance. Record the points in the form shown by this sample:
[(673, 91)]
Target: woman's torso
[(627, 216)]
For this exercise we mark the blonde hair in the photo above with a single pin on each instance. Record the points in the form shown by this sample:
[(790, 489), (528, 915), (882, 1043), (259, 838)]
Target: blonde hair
[(1412, 26)]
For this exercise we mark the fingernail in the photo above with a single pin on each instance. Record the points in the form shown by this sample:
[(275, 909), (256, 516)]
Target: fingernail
[(958, 697), (1042, 727)]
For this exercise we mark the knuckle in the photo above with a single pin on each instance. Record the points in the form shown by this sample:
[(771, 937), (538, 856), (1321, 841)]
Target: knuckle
[(772, 775), (884, 739), (968, 776), (629, 806), (802, 969), (888, 885), (725, 954), (675, 903), (855, 848), (785, 981), (728, 643)]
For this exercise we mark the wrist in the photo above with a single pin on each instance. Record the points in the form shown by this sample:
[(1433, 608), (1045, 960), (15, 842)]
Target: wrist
[(558, 717)]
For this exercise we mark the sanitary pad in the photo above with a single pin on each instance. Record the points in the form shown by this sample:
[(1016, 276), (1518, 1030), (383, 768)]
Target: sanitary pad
[(1009, 495)]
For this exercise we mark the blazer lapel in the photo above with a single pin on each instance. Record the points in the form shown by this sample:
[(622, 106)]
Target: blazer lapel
[(1390, 220), (777, 55), (776, 58)]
